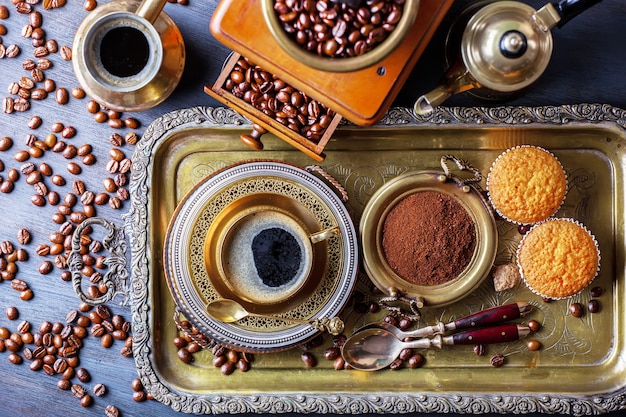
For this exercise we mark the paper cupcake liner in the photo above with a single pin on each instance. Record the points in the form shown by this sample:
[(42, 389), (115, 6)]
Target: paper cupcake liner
[(503, 216), (519, 266)]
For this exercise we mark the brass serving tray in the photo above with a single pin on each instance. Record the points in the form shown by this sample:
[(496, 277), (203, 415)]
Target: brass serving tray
[(581, 368)]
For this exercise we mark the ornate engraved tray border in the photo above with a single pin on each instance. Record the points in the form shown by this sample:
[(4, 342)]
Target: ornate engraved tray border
[(145, 256)]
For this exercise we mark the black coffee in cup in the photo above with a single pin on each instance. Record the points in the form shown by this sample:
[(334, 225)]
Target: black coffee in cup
[(124, 51)]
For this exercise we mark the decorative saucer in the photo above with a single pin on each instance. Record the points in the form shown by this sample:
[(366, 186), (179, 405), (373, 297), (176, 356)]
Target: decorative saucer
[(204, 260)]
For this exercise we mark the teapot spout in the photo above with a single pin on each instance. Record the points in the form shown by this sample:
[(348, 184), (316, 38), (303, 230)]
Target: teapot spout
[(426, 103), (456, 80)]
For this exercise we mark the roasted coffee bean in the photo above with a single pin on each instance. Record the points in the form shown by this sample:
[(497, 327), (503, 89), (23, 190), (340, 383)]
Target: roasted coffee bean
[(19, 284), (44, 64), (66, 53), (12, 313), (576, 310), (15, 358), (52, 46), (23, 236), (110, 410), (131, 138), (332, 353), (534, 325), (49, 85), (99, 390), (596, 292), (12, 51), (309, 359), (136, 385), (62, 96), (93, 106), (593, 306), (74, 168), (103, 311), (78, 390), (83, 375), (497, 360), (533, 344), (86, 400), (45, 267), (185, 356), (416, 361), (68, 132), (396, 364), (5, 143), (78, 93), (405, 354)]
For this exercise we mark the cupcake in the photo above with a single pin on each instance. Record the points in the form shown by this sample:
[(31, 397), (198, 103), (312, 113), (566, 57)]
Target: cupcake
[(558, 258), (526, 184)]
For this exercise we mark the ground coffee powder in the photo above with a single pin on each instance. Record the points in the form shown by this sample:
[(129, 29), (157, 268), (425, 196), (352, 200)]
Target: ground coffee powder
[(428, 238)]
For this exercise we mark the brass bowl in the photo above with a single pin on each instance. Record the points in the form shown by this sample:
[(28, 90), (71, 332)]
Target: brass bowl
[(348, 64), (207, 221), (371, 230)]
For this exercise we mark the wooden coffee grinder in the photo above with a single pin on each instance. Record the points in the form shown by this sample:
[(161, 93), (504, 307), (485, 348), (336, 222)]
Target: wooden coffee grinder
[(358, 89)]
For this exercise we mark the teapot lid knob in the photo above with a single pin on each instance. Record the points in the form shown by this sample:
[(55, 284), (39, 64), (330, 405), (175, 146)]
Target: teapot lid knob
[(513, 44)]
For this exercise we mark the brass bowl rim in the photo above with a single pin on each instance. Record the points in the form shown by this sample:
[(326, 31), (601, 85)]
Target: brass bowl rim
[(385, 198), (395, 38)]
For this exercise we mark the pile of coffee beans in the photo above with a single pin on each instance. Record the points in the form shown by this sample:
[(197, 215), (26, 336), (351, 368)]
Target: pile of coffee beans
[(278, 100), (337, 30), (53, 348)]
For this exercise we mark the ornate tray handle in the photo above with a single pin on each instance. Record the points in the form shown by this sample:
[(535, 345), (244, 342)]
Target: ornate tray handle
[(116, 276), (316, 169), (462, 165)]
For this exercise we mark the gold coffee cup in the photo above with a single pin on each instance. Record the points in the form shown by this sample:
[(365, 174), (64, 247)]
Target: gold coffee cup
[(242, 259), (128, 55)]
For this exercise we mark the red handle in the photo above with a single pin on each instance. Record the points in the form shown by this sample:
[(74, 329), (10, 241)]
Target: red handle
[(488, 335), (493, 315)]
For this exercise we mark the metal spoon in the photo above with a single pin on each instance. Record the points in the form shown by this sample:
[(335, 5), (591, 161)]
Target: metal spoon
[(230, 311), (374, 349)]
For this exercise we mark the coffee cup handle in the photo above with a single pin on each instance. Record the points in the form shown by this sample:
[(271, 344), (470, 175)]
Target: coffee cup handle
[(150, 9), (324, 234), (116, 276)]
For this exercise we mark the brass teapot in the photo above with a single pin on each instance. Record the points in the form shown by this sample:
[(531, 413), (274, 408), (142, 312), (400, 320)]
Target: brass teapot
[(505, 46)]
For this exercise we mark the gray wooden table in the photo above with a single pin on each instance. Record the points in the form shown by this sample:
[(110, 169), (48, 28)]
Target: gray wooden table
[(587, 67)]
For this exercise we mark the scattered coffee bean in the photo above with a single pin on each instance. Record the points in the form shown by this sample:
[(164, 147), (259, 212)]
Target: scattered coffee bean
[(309, 359), (23, 236), (533, 344), (140, 396), (416, 361), (66, 53), (576, 310), (497, 360), (111, 410), (534, 325), (593, 306), (86, 400), (596, 292), (83, 375), (12, 313), (480, 350)]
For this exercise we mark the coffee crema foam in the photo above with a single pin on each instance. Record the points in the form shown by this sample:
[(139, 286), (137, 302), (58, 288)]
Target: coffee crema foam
[(239, 264)]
